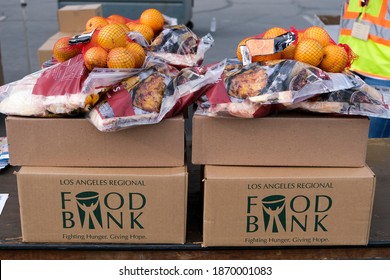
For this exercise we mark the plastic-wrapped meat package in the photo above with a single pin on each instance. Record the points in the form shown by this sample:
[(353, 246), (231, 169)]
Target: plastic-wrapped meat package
[(229, 96), (291, 81), (179, 46), (135, 100), (364, 100), (146, 97), (53, 91), (256, 89)]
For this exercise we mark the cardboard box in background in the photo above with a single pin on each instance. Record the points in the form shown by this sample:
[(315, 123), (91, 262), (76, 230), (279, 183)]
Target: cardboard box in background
[(76, 142), (291, 139), (103, 205), (73, 18), (45, 51), (287, 206)]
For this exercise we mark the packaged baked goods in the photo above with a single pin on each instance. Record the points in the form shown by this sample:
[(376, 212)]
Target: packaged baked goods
[(256, 89), (179, 46), (149, 95), (364, 100), (53, 91)]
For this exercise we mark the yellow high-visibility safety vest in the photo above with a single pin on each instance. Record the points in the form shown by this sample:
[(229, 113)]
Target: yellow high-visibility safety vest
[(373, 54)]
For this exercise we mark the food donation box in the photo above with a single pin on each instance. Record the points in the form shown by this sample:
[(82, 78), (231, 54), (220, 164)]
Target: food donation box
[(103, 205), (287, 206)]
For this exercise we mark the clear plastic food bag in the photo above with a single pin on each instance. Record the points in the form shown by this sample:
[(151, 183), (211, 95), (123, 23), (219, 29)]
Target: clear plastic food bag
[(256, 89), (56, 90), (179, 46), (364, 100), (146, 97)]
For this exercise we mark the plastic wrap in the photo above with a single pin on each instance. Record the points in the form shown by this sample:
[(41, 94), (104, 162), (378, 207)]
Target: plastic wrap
[(257, 89), (146, 97), (180, 47), (56, 90), (364, 100)]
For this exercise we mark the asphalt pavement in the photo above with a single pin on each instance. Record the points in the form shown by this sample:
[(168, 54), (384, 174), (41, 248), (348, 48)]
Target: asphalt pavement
[(24, 28)]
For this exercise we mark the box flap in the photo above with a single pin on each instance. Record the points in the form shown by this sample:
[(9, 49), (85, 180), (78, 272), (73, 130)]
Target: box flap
[(152, 171), (234, 172)]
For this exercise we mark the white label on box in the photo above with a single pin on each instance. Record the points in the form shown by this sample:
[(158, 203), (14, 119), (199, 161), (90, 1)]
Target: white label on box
[(3, 199)]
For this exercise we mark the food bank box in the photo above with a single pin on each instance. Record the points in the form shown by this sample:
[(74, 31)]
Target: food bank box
[(293, 206), (103, 205), (291, 139), (73, 18), (76, 142)]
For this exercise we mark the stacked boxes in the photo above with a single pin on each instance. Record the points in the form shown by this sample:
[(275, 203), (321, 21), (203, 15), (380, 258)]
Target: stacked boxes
[(78, 184), (292, 179), (71, 22)]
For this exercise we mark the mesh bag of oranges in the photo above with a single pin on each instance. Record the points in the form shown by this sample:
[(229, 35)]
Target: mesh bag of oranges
[(146, 96), (312, 45), (112, 42)]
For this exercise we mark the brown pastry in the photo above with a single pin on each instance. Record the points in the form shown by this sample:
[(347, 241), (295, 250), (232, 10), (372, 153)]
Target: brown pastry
[(149, 93), (247, 83)]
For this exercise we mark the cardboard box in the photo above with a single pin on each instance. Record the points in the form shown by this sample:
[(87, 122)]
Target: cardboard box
[(45, 51), (77, 142), (103, 205), (287, 206), (282, 140), (73, 18)]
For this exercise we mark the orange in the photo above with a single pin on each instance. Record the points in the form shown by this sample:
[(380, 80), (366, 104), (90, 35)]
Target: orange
[(153, 18), (317, 33), (238, 51), (289, 52), (62, 51), (120, 58), (309, 51), (125, 27), (138, 53), (268, 57), (95, 57), (145, 30), (112, 36), (91, 100), (96, 22), (335, 59), (94, 40), (274, 32), (131, 25), (116, 19)]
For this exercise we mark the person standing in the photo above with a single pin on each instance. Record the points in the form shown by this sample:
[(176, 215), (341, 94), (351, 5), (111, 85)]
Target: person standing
[(365, 27)]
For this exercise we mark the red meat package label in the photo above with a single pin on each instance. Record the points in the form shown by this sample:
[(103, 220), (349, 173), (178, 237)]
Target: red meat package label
[(65, 78), (117, 103)]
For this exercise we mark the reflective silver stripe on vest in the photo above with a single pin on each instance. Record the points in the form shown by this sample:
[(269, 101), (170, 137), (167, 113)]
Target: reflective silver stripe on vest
[(387, 16), (375, 30)]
